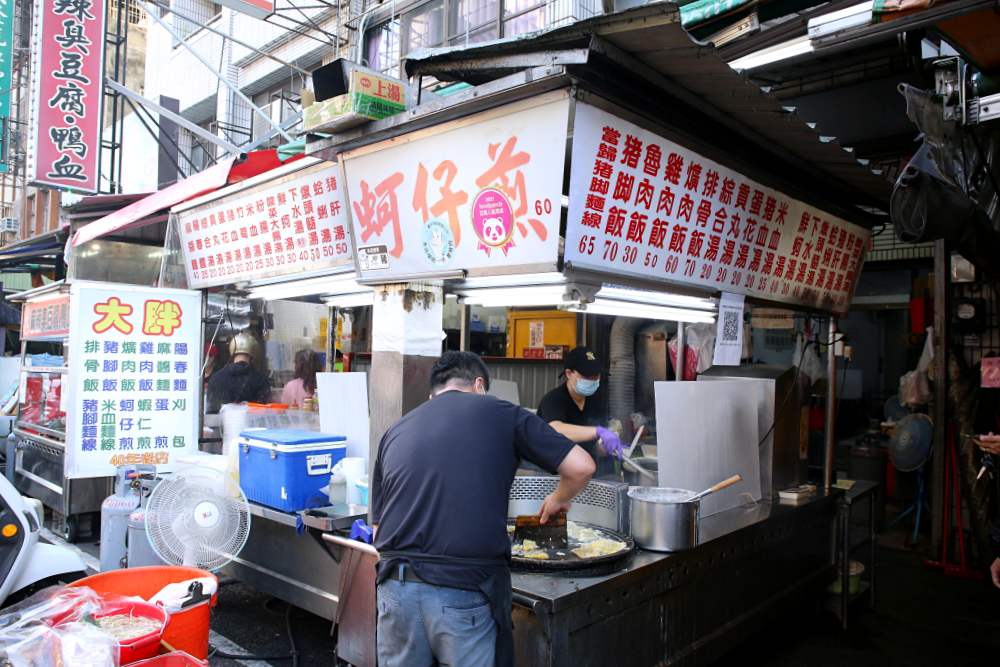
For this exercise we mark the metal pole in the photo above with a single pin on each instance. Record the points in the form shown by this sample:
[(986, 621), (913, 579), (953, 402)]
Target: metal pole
[(831, 405), (231, 86), (939, 371), (679, 375), (463, 326)]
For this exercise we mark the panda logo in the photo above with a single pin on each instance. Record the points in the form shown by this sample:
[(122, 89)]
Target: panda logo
[(494, 231)]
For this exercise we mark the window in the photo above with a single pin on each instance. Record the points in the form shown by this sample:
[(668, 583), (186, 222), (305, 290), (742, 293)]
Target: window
[(203, 10), (461, 22)]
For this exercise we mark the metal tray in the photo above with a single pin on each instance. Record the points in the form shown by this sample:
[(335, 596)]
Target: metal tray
[(570, 562)]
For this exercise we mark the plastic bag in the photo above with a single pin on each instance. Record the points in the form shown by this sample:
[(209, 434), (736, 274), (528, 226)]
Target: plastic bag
[(53, 605), (915, 386), (809, 363), (699, 346), (77, 643)]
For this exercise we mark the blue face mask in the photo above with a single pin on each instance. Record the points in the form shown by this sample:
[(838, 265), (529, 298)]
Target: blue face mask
[(586, 387)]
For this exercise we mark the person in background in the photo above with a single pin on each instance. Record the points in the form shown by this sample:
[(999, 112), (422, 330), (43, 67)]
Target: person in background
[(572, 410), (303, 384), (238, 381), (440, 490)]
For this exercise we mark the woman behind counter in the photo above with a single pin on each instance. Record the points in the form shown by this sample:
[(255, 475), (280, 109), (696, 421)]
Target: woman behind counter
[(303, 384)]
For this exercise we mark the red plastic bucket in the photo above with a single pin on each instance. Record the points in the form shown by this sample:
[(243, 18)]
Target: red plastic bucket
[(187, 630), (145, 646)]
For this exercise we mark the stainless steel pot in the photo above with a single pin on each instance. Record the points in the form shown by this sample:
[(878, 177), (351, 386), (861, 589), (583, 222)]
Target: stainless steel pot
[(663, 519), (635, 478)]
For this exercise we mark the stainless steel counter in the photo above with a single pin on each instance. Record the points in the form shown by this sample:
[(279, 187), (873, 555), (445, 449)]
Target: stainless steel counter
[(682, 608)]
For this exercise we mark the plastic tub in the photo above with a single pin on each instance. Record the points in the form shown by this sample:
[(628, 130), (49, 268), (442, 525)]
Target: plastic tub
[(145, 646), (186, 630)]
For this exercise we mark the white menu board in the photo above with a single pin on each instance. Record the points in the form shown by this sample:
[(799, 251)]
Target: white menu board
[(646, 206), (294, 222), (134, 377)]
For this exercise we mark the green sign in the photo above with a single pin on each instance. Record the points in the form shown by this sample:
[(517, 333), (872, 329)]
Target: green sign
[(6, 54)]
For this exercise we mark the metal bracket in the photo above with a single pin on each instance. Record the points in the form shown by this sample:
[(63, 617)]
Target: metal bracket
[(174, 117), (983, 109)]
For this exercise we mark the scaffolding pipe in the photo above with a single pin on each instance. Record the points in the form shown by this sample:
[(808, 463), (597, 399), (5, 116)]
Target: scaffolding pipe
[(225, 35), (230, 85)]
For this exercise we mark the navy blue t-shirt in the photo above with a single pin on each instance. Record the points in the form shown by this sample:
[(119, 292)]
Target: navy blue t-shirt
[(442, 480)]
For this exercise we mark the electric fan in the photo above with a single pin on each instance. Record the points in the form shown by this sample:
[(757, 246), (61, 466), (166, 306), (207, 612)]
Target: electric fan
[(195, 518), (909, 450)]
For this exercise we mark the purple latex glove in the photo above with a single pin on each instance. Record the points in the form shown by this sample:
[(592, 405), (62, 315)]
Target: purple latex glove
[(612, 443)]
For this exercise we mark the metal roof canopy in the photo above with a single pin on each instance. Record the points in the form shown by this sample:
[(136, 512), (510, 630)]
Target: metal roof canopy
[(642, 60)]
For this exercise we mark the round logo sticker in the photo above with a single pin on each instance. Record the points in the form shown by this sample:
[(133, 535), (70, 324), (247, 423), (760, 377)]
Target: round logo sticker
[(493, 220), (438, 242)]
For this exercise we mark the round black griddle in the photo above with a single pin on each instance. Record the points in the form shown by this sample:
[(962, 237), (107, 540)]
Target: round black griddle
[(571, 564)]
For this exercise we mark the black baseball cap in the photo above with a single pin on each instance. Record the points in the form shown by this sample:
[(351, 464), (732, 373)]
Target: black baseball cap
[(583, 361)]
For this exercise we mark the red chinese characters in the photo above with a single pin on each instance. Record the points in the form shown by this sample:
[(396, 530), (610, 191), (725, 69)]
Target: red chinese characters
[(378, 209)]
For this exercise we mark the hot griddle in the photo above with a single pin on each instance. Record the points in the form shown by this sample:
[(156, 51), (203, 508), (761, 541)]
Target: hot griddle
[(569, 562)]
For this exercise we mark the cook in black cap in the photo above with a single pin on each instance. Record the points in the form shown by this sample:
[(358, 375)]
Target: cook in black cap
[(571, 409)]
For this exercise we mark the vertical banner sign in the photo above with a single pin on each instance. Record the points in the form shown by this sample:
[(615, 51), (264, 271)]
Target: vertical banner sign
[(295, 223), (135, 377), (480, 193), (67, 95), (6, 69), (643, 205)]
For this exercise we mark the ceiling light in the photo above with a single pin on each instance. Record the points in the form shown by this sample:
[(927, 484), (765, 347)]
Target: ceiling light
[(655, 298), (644, 311), (344, 283), (790, 49), (355, 300), (535, 295)]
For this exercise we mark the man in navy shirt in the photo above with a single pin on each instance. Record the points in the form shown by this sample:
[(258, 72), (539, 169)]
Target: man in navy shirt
[(439, 506)]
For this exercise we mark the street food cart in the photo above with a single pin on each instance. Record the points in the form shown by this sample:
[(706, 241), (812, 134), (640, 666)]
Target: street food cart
[(587, 172)]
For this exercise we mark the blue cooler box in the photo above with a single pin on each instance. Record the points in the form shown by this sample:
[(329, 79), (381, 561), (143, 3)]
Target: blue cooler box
[(286, 468)]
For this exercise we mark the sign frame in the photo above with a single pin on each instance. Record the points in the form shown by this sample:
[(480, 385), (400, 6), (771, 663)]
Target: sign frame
[(264, 182), (74, 467), (94, 132), (707, 153), (368, 268)]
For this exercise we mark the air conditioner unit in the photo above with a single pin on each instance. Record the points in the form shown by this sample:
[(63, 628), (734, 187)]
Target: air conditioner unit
[(9, 225)]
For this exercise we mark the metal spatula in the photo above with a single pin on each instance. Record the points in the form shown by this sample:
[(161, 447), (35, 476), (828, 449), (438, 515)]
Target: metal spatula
[(551, 535)]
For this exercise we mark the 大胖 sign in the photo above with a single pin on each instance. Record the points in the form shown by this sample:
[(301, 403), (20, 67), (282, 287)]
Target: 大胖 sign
[(67, 93), (292, 224), (135, 377), (479, 193), (643, 205), (45, 318)]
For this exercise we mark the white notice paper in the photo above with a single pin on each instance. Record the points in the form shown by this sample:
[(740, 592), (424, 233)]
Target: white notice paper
[(729, 331), (343, 409)]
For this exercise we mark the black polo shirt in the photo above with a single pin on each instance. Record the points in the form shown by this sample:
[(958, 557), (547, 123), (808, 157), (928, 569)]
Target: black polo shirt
[(559, 406), (442, 480)]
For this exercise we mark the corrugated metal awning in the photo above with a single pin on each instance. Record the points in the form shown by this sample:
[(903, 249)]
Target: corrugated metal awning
[(648, 42)]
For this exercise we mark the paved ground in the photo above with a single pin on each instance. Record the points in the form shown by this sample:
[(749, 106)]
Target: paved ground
[(921, 618)]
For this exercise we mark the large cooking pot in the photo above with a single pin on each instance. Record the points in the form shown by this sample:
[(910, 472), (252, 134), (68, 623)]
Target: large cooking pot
[(666, 519), (663, 518)]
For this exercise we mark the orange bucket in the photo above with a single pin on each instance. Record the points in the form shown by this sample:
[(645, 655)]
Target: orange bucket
[(186, 630)]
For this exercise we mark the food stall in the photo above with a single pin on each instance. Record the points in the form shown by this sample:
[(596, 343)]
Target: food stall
[(577, 176)]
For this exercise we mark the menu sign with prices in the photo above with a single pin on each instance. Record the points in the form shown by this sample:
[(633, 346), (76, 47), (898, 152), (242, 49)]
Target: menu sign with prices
[(478, 193), (646, 206), (134, 373), (295, 223), (45, 318), (67, 92)]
